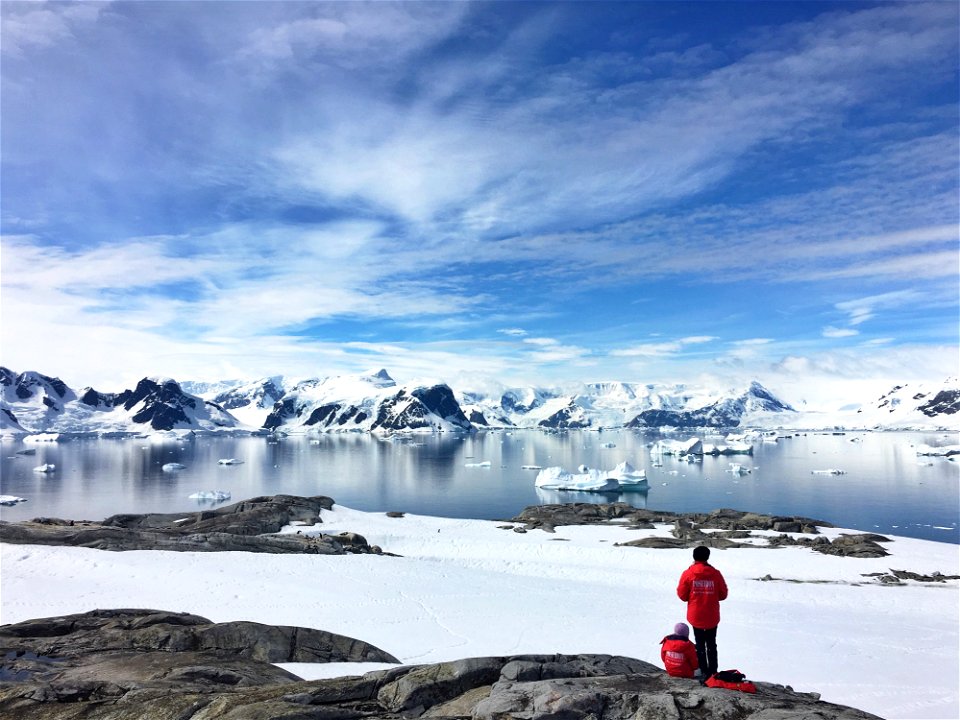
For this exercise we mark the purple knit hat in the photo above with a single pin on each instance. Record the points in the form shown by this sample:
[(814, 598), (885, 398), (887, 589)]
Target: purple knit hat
[(681, 629)]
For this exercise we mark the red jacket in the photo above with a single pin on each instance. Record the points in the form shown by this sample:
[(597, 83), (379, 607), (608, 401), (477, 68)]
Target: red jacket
[(679, 656), (702, 587)]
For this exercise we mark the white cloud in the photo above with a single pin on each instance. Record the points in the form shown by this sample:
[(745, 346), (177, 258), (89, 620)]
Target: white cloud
[(663, 348), (834, 332)]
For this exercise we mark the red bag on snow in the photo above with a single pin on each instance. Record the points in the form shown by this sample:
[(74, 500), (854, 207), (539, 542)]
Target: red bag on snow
[(731, 680)]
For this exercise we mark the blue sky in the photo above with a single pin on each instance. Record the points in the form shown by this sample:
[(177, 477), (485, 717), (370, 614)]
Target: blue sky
[(532, 192)]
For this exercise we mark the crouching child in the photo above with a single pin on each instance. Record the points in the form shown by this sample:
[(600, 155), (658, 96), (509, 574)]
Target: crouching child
[(679, 655)]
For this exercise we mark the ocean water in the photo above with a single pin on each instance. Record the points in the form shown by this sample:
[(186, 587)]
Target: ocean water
[(885, 487)]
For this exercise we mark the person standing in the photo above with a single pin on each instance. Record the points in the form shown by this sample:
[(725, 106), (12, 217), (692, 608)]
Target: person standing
[(702, 587)]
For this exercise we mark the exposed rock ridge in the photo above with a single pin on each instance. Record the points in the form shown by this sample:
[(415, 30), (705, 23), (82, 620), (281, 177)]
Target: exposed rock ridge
[(250, 525), (188, 684)]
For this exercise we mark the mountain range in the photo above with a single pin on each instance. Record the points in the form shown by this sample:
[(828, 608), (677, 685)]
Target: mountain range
[(31, 402)]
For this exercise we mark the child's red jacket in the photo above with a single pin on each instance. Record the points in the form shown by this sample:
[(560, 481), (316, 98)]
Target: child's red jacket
[(679, 656)]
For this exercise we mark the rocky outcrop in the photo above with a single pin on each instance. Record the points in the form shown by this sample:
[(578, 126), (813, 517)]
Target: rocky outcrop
[(249, 526), (194, 684)]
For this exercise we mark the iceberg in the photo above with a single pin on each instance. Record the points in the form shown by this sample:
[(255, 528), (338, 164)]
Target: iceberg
[(556, 478), (828, 471), (942, 451), (627, 476), (11, 500), (42, 437), (210, 495), (45, 468), (693, 446), (229, 461), (30, 451), (172, 467), (484, 464), (738, 469), (623, 477)]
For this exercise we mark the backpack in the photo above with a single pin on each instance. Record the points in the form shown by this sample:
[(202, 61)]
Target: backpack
[(731, 680)]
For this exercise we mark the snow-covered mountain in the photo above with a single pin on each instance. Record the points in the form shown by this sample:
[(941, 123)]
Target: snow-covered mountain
[(31, 402), (619, 404), (370, 402), (39, 403)]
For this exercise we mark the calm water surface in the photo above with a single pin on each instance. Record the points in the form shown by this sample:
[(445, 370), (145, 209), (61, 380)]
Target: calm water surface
[(886, 488)]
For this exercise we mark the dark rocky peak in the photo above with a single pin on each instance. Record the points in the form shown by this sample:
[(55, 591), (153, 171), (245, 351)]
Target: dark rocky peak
[(945, 402), (93, 398), (161, 402), (28, 384), (768, 401), (7, 376), (383, 378)]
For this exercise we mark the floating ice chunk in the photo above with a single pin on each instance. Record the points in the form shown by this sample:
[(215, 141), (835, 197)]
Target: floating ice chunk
[(484, 464), (628, 476), (942, 451), (531, 467), (556, 478), (828, 471), (42, 437), (45, 468), (210, 495), (608, 445), (172, 467), (738, 469), (693, 446), (229, 461), (29, 451), (11, 499)]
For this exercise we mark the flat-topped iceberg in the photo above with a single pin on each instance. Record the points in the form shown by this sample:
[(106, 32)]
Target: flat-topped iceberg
[(217, 495), (229, 461), (172, 467), (623, 477), (693, 446), (11, 500), (942, 451), (45, 468)]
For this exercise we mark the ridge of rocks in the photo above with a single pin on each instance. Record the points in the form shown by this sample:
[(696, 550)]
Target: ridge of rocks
[(156, 665)]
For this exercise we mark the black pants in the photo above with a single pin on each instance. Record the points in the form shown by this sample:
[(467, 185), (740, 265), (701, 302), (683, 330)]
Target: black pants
[(706, 650)]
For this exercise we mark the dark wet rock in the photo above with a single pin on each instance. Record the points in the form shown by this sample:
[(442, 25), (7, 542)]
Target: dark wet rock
[(526, 687), (250, 526), (727, 526)]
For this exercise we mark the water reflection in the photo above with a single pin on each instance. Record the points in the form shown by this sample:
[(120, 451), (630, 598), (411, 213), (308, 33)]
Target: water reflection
[(885, 488)]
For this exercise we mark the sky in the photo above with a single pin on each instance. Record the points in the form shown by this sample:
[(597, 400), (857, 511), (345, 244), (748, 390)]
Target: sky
[(528, 192)]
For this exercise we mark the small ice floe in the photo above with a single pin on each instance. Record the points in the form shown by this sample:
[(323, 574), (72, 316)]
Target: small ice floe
[(42, 437), (484, 464), (210, 495), (770, 436), (608, 445), (172, 467), (45, 468), (828, 471), (693, 446), (229, 461), (28, 451), (738, 469), (11, 500), (941, 451), (531, 467)]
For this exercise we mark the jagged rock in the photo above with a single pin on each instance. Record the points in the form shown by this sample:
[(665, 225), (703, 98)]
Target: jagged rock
[(248, 526), (196, 686)]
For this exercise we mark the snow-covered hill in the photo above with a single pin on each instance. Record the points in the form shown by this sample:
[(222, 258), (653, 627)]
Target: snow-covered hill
[(904, 406), (619, 404)]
